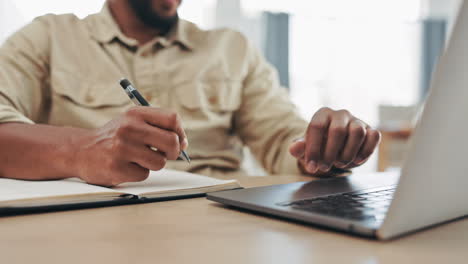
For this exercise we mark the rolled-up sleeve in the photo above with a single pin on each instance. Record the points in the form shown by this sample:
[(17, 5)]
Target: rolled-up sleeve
[(24, 73), (268, 121)]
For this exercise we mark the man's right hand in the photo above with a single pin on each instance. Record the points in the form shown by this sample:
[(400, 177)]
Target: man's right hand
[(120, 151)]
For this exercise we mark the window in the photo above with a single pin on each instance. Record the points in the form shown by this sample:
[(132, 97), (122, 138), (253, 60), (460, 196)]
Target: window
[(351, 54)]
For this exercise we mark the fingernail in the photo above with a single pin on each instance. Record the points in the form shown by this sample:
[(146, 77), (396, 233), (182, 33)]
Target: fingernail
[(312, 166), (298, 139), (359, 161), (340, 165), (324, 167), (184, 143), (298, 155)]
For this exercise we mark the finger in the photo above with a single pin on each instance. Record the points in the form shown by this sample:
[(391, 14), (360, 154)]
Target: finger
[(164, 141), (315, 137), (337, 133), (297, 149), (356, 135), (130, 172), (370, 143), (165, 119), (149, 159)]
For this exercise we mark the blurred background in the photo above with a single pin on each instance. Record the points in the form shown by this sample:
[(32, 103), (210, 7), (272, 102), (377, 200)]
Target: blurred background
[(372, 57)]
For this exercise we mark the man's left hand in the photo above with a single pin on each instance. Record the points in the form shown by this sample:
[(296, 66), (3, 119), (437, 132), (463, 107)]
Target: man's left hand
[(334, 139)]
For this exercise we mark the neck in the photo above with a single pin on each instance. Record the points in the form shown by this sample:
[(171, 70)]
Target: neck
[(130, 25)]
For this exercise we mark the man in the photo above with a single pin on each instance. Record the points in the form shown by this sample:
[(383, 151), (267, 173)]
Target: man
[(63, 114)]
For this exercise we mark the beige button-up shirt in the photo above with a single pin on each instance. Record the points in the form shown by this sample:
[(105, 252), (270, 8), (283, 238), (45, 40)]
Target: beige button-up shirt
[(64, 71)]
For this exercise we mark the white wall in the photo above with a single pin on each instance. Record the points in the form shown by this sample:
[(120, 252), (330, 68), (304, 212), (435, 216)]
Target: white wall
[(10, 19), (440, 8), (443, 9), (17, 13)]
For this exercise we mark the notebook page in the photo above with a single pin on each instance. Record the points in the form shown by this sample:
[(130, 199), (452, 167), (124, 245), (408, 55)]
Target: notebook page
[(19, 190), (170, 180)]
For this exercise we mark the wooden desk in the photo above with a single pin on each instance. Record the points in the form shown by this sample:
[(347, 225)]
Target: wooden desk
[(200, 231)]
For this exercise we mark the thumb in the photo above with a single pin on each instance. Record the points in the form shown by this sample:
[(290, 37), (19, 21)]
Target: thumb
[(297, 149)]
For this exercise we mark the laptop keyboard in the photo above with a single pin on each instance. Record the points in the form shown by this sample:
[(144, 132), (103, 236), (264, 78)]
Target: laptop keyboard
[(358, 206)]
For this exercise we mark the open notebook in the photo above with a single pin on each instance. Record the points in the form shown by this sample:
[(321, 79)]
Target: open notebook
[(164, 184)]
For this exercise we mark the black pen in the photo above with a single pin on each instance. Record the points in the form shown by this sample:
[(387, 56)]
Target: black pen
[(138, 99)]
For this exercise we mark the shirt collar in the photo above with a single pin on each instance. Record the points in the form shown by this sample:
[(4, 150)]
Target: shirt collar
[(184, 34), (104, 29)]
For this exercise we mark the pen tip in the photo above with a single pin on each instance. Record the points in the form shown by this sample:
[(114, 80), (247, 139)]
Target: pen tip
[(186, 156)]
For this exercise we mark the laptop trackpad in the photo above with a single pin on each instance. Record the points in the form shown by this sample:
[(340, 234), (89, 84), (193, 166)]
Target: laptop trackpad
[(350, 183), (270, 195)]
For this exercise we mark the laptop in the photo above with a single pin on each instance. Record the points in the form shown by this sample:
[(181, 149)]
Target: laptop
[(431, 188)]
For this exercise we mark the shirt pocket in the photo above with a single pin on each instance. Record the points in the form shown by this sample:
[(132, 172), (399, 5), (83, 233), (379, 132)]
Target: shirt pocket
[(88, 94), (210, 98)]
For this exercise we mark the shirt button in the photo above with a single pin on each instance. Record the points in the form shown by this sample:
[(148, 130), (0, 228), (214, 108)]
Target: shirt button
[(213, 99), (148, 97), (145, 53), (88, 98)]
